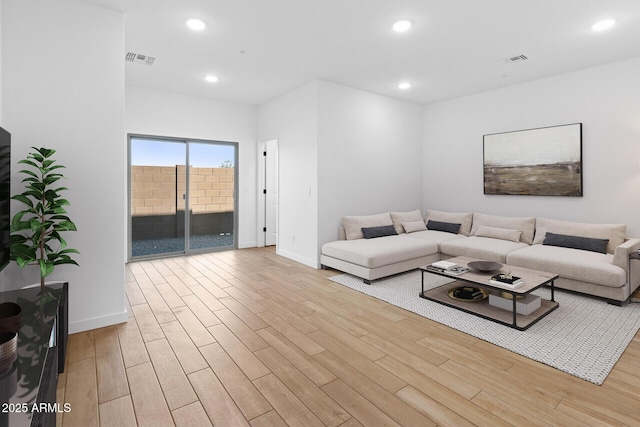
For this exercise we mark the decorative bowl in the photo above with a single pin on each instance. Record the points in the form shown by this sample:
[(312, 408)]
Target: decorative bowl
[(8, 349), (454, 294), (484, 266)]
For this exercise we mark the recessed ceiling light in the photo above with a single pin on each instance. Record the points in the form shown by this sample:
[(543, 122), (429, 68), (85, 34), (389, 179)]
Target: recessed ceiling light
[(211, 78), (404, 85), (402, 26), (196, 24), (603, 25)]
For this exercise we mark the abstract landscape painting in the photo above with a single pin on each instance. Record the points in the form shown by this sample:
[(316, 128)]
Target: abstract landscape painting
[(537, 162)]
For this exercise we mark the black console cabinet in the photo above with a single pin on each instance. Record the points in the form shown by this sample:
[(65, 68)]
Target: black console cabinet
[(42, 347)]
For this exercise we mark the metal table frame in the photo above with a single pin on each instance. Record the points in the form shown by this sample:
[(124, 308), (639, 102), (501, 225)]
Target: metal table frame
[(514, 293)]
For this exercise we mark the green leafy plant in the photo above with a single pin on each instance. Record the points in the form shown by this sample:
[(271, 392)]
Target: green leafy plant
[(35, 231)]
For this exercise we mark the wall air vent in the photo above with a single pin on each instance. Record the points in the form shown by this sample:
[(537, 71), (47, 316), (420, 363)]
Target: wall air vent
[(518, 58), (138, 58)]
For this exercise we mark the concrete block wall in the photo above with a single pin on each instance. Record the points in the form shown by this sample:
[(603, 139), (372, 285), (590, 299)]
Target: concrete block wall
[(160, 190), (211, 189), (153, 190), (158, 205)]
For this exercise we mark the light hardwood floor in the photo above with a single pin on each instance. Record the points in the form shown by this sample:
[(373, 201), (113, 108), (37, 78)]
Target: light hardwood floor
[(250, 338)]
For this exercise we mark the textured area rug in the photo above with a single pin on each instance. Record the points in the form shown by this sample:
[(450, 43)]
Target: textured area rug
[(584, 337)]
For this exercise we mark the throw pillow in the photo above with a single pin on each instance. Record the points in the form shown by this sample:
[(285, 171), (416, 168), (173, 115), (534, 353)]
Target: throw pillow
[(499, 233), (525, 225), (373, 232), (353, 224), (464, 219), (398, 218), (576, 242), (413, 226), (448, 227), (614, 232)]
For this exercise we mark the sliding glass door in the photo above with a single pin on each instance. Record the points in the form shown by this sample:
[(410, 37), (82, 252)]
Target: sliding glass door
[(182, 196)]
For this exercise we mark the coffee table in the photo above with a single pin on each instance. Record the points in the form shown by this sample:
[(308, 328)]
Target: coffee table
[(533, 279)]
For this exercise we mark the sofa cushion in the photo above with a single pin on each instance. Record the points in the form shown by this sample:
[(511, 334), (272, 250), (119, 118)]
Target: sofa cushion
[(614, 232), (483, 248), (464, 219), (576, 242), (525, 225), (435, 236), (569, 263), (380, 231), (447, 227), (397, 218), (413, 226), (499, 233), (353, 224), (379, 252)]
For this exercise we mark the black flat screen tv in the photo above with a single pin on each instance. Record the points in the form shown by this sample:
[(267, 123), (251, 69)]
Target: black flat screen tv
[(5, 196)]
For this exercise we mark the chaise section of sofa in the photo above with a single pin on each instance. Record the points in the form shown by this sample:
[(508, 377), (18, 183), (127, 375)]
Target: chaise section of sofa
[(377, 257), (380, 257)]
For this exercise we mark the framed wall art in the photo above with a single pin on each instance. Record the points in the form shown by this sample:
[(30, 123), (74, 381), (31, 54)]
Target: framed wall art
[(536, 162)]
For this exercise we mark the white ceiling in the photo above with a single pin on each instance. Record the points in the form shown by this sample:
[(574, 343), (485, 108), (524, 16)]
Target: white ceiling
[(260, 49)]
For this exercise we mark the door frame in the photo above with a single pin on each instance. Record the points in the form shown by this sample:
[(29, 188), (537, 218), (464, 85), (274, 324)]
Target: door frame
[(236, 214), (262, 199)]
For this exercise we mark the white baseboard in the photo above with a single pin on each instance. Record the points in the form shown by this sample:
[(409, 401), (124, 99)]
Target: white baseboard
[(244, 245), (297, 258), (98, 322)]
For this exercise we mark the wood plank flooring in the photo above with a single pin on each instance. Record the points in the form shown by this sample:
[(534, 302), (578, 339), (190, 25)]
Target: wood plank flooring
[(246, 337)]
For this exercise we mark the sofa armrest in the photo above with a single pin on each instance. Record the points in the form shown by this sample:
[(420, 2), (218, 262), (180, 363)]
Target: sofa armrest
[(621, 254)]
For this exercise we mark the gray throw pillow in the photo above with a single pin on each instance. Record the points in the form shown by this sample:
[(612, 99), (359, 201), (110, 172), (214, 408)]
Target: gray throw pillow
[(381, 231), (448, 227), (576, 242)]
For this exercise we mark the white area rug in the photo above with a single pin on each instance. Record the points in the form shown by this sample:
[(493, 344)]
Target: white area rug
[(584, 337)]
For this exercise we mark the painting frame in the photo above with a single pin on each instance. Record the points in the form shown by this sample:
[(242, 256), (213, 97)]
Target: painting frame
[(543, 161)]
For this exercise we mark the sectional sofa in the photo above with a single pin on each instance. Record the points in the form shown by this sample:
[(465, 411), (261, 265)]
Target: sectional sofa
[(589, 258)]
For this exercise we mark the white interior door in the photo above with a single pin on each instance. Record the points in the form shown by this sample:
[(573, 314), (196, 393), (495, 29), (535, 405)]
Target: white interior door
[(271, 196)]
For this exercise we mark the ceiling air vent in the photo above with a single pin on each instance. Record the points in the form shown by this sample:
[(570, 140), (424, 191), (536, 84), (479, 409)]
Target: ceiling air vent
[(518, 58), (138, 58)]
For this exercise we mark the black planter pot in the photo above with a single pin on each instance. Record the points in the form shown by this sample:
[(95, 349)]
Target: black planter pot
[(10, 316)]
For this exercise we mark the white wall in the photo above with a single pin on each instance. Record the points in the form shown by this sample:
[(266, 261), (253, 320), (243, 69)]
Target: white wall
[(157, 113), (292, 119), (63, 88), (342, 151), (605, 99), (370, 156)]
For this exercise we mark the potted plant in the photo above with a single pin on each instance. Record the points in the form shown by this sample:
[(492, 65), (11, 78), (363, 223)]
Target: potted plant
[(35, 231)]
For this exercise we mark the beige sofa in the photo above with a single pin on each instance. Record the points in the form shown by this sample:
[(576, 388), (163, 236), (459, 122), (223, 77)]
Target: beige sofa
[(508, 240)]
